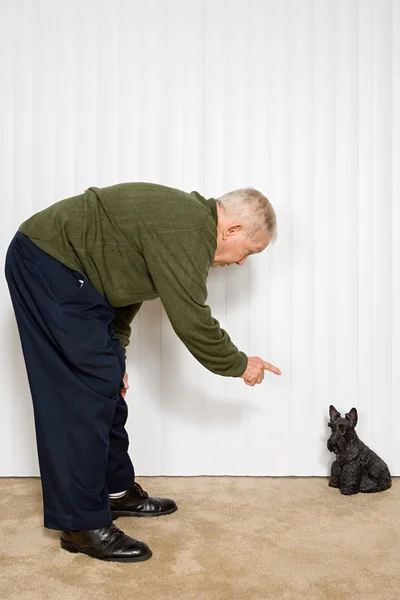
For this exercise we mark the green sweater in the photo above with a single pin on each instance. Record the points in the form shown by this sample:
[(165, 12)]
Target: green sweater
[(140, 241)]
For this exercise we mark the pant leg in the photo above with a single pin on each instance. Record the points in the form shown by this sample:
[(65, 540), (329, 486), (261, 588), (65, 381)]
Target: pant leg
[(74, 377), (120, 471)]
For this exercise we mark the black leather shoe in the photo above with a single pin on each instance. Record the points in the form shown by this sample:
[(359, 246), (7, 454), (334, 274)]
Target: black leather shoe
[(137, 503), (107, 543)]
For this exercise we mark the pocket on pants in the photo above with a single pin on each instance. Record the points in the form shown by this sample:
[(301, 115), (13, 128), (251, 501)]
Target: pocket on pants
[(64, 284)]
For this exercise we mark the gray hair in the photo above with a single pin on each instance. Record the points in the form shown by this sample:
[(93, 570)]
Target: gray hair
[(252, 207)]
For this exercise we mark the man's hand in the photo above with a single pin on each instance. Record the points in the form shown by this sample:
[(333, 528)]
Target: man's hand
[(126, 386), (254, 372)]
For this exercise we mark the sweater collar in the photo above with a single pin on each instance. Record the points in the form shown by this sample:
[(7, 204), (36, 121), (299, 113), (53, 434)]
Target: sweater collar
[(211, 202), (213, 205)]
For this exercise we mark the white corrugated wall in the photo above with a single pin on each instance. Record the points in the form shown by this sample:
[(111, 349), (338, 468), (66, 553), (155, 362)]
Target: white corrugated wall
[(299, 98)]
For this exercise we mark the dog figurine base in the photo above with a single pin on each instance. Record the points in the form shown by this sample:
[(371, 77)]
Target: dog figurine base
[(356, 467)]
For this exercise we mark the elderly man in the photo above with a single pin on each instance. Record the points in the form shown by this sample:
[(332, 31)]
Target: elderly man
[(78, 273)]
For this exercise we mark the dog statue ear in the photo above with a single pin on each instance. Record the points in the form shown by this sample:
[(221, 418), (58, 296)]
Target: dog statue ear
[(352, 416), (333, 413)]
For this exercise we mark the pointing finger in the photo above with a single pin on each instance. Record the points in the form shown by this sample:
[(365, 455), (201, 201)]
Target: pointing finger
[(269, 367)]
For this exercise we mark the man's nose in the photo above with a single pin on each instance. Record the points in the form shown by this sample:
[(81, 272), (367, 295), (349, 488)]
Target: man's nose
[(240, 262)]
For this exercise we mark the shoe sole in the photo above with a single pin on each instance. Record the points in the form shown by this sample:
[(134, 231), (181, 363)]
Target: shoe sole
[(130, 513), (77, 549)]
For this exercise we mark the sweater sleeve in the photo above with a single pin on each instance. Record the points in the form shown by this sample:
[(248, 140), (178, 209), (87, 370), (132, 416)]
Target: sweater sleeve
[(178, 264), (122, 320)]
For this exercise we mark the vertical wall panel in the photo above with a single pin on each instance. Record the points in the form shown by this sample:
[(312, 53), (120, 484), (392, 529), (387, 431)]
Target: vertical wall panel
[(323, 222), (382, 218), (88, 93), (107, 92), (365, 218), (345, 221), (278, 81), (394, 418), (297, 98), (302, 207), (68, 100), (7, 364)]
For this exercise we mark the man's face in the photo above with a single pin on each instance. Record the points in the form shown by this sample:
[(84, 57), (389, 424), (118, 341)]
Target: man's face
[(234, 246)]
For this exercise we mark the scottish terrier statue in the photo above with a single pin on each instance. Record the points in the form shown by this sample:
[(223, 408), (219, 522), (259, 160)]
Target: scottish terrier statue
[(356, 467)]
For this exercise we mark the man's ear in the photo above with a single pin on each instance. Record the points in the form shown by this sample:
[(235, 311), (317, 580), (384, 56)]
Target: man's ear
[(231, 230)]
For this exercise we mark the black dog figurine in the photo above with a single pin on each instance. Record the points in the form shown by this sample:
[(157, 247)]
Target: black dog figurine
[(356, 468)]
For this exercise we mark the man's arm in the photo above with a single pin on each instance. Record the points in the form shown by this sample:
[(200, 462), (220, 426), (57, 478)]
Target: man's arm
[(178, 263), (122, 320)]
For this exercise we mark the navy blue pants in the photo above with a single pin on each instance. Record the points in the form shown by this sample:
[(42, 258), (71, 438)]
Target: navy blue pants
[(75, 366)]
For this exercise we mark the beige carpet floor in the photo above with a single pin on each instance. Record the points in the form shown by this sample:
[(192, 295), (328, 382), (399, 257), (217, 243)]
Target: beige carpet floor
[(232, 538)]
